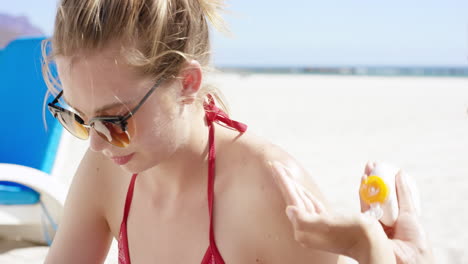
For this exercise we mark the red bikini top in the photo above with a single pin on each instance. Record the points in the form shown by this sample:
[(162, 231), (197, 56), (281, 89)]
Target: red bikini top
[(212, 255)]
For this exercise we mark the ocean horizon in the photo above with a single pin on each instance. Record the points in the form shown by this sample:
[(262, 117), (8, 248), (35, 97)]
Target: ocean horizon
[(421, 71)]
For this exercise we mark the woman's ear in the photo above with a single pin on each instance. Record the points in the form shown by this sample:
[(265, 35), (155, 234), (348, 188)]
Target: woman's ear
[(191, 78)]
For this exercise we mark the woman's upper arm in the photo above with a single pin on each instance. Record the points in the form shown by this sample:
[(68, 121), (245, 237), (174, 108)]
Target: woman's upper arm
[(83, 235), (274, 220), (274, 153)]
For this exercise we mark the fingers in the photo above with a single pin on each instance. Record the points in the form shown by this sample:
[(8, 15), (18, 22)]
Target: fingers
[(403, 253), (364, 205), (304, 202), (308, 223), (294, 215), (367, 171), (306, 227), (318, 206), (286, 185), (369, 167), (405, 200), (294, 193), (304, 223), (308, 203)]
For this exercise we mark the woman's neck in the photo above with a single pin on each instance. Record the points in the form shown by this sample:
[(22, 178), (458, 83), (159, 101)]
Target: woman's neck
[(186, 168)]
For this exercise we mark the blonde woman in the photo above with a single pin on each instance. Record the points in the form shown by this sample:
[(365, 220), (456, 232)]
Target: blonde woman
[(131, 80)]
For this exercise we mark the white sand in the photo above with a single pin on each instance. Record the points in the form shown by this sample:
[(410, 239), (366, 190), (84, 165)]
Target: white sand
[(333, 125)]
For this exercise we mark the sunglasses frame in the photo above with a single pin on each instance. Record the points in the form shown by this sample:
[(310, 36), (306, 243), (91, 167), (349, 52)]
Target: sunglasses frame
[(115, 120)]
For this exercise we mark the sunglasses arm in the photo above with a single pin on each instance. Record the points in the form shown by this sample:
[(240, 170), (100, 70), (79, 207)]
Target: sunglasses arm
[(57, 98)]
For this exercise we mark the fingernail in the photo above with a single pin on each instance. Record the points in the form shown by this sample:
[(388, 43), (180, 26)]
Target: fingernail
[(273, 164), (270, 164), (272, 167)]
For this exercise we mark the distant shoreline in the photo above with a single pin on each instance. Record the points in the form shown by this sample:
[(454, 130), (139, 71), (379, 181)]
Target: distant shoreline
[(354, 70)]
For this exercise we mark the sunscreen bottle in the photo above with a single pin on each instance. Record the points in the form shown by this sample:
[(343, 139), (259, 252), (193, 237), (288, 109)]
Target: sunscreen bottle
[(378, 190)]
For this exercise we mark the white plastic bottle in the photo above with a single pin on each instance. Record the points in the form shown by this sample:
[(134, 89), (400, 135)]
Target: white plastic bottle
[(379, 192)]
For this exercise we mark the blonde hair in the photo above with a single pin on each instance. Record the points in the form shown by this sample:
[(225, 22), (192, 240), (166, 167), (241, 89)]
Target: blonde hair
[(157, 36)]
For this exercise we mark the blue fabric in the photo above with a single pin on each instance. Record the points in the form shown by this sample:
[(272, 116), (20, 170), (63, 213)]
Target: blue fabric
[(23, 137)]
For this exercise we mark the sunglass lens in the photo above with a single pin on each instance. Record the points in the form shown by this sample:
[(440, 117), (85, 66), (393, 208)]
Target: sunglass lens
[(70, 122), (112, 133)]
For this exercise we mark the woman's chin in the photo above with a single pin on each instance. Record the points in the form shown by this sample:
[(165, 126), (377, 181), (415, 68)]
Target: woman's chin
[(129, 169), (136, 167)]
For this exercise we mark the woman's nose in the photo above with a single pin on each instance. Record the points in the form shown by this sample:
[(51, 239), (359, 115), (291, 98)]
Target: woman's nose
[(96, 143)]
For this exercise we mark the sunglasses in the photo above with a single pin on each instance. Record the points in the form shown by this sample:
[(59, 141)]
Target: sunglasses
[(116, 130)]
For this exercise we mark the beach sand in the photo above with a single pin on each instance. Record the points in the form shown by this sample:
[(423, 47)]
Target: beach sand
[(334, 124)]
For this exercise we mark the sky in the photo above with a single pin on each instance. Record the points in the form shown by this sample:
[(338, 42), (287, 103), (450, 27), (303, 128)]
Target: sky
[(323, 33)]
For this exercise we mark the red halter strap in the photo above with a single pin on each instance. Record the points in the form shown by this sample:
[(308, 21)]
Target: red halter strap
[(215, 114)]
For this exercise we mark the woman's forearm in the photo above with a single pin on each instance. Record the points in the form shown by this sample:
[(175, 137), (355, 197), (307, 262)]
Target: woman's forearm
[(380, 252)]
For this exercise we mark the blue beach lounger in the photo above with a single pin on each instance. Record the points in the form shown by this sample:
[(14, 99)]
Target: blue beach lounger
[(31, 200)]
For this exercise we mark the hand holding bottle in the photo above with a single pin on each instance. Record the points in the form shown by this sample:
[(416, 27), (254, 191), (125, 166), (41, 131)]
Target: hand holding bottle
[(358, 236), (406, 235)]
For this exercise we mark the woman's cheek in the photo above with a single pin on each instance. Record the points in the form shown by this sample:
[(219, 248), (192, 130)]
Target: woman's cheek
[(159, 132)]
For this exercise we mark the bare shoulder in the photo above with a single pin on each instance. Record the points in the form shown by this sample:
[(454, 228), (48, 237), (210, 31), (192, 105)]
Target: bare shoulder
[(93, 177), (85, 218), (253, 196), (105, 184), (274, 153), (255, 156)]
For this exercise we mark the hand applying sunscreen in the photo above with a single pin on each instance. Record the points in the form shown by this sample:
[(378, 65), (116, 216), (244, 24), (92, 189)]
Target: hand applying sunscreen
[(378, 191)]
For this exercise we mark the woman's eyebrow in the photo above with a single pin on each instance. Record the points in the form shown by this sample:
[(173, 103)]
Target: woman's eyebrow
[(110, 106), (100, 109), (74, 108)]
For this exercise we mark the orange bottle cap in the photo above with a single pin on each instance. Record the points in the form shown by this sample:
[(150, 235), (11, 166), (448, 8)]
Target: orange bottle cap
[(373, 190)]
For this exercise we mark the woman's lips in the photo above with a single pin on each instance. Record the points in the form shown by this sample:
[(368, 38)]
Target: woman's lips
[(121, 160)]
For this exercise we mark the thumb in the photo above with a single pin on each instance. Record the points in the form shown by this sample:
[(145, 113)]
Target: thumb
[(405, 201), (292, 213), (297, 216)]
